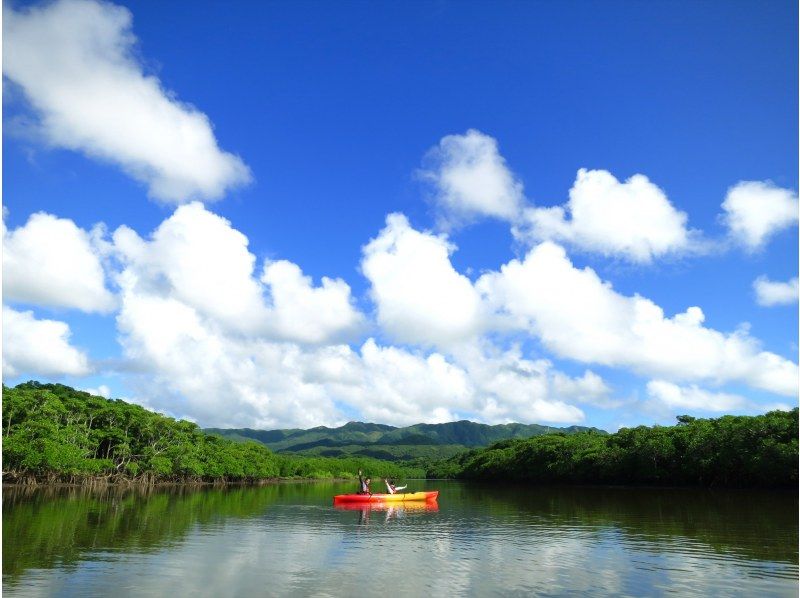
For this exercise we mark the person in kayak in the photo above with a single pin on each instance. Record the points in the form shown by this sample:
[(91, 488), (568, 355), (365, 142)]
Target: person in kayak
[(363, 484), (391, 487)]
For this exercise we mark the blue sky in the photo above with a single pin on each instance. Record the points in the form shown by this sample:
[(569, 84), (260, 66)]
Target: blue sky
[(325, 118)]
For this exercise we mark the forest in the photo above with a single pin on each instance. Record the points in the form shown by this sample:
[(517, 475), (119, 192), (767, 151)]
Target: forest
[(732, 451), (53, 433)]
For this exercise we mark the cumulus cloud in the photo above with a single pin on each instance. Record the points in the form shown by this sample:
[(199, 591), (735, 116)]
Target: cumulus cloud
[(756, 210), (51, 262), (197, 258), (197, 369), (770, 292), (513, 388), (633, 219), (306, 313), (76, 62), (668, 397), (192, 367), (39, 347), (693, 398), (420, 297), (581, 317), (478, 381), (395, 385), (219, 346), (471, 179), (101, 391), (208, 346), (589, 388)]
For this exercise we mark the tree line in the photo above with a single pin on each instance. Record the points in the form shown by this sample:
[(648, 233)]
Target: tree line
[(54, 433), (734, 451)]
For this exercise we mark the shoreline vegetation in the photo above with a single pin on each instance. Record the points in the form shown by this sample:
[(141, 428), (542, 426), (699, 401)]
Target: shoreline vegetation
[(758, 451), (56, 435)]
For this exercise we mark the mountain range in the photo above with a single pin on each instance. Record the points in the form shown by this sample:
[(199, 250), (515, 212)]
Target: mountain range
[(389, 442)]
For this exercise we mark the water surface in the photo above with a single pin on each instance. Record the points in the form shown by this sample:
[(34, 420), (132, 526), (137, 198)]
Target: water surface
[(288, 539)]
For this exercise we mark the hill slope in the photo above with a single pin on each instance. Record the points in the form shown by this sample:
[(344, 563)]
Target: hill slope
[(389, 442)]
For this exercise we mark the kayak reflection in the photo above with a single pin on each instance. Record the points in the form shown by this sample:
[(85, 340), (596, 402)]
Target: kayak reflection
[(383, 506), (392, 511)]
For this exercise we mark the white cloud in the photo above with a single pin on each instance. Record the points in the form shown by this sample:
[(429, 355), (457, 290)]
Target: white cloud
[(212, 348), (306, 313), (511, 388), (668, 397), (194, 368), (589, 388), (580, 317), (769, 292), (756, 210), (52, 262), (195, 256), (419, 296), (481, 383), (471, 179), (198, 259), (208, 346), (76, 62), (393, 385), (101, 391), (691, 397), (632, 219), (39, 347)]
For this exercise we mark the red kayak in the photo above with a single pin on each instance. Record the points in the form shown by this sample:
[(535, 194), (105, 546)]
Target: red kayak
[(386, 498)]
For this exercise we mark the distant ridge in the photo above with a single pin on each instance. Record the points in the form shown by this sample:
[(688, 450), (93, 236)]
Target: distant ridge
[(390, 442)]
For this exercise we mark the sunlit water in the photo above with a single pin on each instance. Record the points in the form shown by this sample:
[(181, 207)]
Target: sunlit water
[(288, 539)]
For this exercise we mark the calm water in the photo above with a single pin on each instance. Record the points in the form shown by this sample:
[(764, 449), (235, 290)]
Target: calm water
[(288, 539)]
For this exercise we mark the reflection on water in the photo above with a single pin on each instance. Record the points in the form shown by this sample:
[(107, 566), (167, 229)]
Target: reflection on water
[(387, 511), (288, 539)]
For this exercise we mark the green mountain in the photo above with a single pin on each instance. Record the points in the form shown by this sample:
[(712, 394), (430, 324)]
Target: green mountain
[(432, 441)]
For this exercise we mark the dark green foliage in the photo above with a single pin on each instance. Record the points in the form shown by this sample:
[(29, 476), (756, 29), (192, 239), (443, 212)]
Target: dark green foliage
[(55, 433), (728, 451)]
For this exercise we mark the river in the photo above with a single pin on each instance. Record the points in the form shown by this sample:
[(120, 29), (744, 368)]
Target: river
[(288, 540)]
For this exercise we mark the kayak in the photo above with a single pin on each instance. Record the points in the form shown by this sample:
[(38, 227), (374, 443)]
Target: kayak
[(383, 498)]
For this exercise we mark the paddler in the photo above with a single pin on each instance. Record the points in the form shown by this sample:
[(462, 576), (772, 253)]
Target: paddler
[(363, 484), (391, 487)]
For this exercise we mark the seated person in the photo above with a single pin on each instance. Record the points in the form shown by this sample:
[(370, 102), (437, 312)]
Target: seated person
[(391, 487), (363, 484)]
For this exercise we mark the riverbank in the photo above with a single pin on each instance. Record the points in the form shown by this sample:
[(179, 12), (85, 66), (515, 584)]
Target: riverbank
[(731, 451), (54, 433), (102, 482)]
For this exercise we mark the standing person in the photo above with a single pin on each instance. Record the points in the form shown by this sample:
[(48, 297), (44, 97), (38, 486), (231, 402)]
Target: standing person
[(363, 484)]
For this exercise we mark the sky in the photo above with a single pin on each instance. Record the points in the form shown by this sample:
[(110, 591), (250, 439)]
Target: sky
[(292, 214)]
